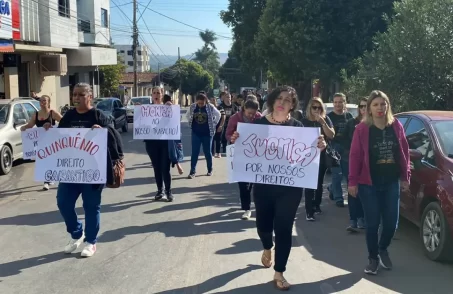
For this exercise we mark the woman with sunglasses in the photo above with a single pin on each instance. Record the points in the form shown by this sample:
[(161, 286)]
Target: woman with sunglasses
[(276, 206), (356, 217), (316, 118), (41, 117)]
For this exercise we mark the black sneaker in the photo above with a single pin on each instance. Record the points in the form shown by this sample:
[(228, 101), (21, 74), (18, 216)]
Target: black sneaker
[(340, 204), (169, 196), (159, 195), (372, 267), (310, 218), (318, 210), (384, 260)]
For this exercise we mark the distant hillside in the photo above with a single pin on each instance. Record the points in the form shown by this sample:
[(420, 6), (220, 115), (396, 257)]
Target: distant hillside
[(169, 60)]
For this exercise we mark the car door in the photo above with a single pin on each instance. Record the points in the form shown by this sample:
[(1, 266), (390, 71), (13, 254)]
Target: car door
[(119, 113), (20, 118), (424, 172)]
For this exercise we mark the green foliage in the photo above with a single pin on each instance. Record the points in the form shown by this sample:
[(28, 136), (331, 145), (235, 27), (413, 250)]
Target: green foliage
[(112, 76), (413, 61), (231, 72), (193, 77), (207, 55), (242, 17)]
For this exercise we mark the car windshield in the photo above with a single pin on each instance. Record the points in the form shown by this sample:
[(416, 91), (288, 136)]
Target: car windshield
[(444, 131), (105, 105), (140, 101), (4, 113)]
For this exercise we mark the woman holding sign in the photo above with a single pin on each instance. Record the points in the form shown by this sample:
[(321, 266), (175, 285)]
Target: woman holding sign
[(317, 118), (248, 114), (276, 206), (203, 118), (159, 154), (41, 117)]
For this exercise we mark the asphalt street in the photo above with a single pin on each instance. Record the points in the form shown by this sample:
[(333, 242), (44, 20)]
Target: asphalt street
[(197, 244)]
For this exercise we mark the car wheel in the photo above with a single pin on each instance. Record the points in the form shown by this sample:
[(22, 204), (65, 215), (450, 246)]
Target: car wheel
[(125, 127), (6, 160), (435, 233)]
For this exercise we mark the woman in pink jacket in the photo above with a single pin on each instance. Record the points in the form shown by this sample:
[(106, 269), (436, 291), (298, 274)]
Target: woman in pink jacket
[(378, 169), (248, 114)]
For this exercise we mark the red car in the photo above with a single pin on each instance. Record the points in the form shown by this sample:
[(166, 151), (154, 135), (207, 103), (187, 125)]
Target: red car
[(430, 201)]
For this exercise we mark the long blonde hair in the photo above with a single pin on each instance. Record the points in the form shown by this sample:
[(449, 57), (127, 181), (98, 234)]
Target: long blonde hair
[(389, 119), (310, 104)]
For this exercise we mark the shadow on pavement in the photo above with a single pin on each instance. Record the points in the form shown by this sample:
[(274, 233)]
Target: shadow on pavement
[(51, 217), (322, 287)]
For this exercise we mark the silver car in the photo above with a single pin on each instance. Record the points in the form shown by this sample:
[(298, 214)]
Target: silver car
[(13, 114), (136, 101)]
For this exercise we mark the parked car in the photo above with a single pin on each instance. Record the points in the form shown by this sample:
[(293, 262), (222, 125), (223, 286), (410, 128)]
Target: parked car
[(136, 101), (114, 108), (430, 201), (13, 115), (352, 108)]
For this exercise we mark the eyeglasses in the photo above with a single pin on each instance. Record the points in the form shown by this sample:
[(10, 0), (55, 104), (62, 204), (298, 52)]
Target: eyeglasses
[(316, 107), (362, 106)]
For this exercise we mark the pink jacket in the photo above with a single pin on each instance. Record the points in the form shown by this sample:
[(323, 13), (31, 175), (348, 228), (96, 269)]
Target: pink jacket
[(233, 123), (359, 157)]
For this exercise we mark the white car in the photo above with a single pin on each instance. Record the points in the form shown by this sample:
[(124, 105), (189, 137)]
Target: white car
[(143, 100)]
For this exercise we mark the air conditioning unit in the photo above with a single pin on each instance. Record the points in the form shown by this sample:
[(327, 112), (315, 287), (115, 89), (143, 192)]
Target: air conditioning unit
[(53, 64)]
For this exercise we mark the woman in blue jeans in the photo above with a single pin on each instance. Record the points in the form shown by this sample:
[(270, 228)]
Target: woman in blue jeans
[(203, 118), (378, 167)]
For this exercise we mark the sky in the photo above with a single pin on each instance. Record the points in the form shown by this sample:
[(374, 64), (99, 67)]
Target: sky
[(167, 33)]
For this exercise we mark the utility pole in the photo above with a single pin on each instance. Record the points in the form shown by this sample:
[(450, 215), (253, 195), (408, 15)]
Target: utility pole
[(180, 80), (134, 47)]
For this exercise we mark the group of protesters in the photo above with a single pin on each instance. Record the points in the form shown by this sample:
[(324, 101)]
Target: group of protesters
[(372, 152)]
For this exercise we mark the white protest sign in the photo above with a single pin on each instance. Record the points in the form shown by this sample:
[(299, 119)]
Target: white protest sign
[(72, 156), (277, 155), (230, 154), (30, 139), (157, 122)]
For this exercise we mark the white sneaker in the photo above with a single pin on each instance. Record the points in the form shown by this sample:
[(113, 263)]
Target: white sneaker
[(89, 250), (45, 187), (247, 214), (73, 245)]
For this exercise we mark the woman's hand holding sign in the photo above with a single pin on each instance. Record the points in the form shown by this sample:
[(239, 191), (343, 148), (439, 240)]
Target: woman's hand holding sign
[(96, 127)]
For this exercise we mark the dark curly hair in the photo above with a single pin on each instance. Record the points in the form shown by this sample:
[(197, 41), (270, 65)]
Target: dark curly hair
[(273, 96), (202, 96)]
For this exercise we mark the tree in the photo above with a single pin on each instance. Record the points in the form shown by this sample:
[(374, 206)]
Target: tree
[(193, 77), (112, 75), (207, 55), (232, 73), (242, 17), (413, 62)]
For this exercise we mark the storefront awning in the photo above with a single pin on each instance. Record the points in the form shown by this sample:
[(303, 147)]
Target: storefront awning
[(6, 46)]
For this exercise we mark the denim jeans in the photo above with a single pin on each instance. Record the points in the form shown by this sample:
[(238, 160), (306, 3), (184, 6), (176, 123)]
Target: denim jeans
[(338, 174), (197, 142), (67, 195), (380, 203)]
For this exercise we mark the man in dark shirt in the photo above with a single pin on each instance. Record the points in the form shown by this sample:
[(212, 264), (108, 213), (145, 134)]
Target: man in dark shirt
[(227, 109), (339, 117)]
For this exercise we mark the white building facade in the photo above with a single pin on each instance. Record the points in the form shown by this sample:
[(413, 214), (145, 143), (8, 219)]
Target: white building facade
[(54, 44), (125, 53)]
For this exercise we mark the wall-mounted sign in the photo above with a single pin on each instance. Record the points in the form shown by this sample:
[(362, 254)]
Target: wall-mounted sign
[(9, 19)]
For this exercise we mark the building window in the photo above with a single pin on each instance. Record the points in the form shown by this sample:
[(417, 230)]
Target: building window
[(121, 51), (139, 52), (130, 63), (63, 8), (129, 52), (104, 18)]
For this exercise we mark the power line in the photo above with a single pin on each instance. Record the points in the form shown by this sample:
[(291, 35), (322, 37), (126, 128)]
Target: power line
[(182, 22), (141, 14)]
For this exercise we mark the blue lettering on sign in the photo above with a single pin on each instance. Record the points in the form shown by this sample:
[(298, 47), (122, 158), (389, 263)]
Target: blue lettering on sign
[(4, 8)]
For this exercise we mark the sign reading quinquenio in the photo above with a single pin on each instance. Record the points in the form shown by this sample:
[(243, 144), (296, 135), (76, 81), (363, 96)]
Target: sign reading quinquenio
[(30, 139), (157, 122), (277, 155), (230, 156), (72, 156)]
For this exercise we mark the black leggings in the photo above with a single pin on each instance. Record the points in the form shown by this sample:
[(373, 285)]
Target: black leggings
[(158, 153), (313, 197), (216, 143), (276, 208), (245, 195)]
